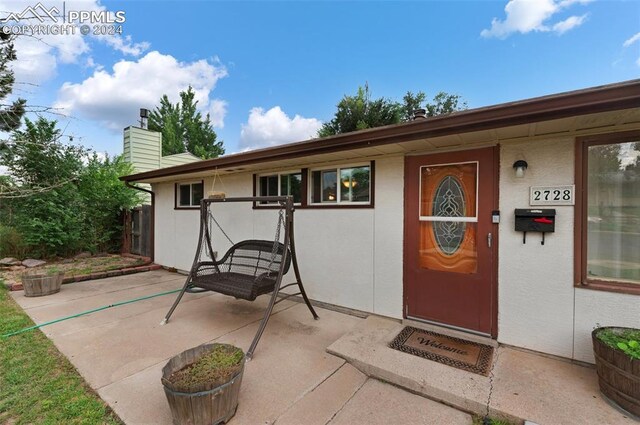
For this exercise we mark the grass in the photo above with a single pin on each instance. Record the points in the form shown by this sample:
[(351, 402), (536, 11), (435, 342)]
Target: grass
[(38, 385), (478, 420)]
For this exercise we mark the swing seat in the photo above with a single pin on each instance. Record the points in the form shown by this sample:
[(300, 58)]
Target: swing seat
[(247, 270)]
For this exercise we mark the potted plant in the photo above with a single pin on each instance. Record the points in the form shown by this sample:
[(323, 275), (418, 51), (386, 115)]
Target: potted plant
[(40, 282), (202, 384), (617, 353)]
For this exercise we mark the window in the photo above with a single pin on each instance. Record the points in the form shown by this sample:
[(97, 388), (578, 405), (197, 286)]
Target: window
[(344, 185), (609, 212), (282, 185), (189, 195)]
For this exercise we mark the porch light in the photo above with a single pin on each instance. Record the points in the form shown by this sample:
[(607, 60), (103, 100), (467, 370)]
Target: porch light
[(520, 166)]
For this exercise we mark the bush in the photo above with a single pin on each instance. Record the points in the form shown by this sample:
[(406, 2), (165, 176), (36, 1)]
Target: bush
[(60, 198), (11, 243)]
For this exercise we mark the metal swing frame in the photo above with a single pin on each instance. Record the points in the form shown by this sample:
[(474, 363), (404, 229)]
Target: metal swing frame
[(288, 256)]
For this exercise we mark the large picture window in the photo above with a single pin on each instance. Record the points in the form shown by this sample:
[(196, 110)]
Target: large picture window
[(610, 212), (342, 185), (189, 195)]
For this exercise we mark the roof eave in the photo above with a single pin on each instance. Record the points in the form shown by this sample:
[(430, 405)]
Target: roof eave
[(611, 97)]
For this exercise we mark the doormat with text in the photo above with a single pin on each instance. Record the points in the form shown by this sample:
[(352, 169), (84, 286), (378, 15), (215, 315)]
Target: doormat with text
[(456, 352)]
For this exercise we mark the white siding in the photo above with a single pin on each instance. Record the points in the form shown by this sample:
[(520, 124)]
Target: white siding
[(353, 257), (337, 248), (536, 281), (539, 307)]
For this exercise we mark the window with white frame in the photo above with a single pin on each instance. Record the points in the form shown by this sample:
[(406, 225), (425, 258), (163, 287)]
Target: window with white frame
[(341, 185), (189, 195), (281, 184)]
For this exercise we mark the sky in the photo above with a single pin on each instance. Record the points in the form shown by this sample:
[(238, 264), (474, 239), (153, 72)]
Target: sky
[(272, 72)]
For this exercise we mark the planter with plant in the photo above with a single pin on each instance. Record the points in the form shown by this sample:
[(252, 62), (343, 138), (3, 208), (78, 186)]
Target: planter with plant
[(40, 282), (617, 353), (202, 384)]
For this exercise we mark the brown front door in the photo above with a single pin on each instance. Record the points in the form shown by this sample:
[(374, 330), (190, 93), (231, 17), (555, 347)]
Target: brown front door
[(450, 240)]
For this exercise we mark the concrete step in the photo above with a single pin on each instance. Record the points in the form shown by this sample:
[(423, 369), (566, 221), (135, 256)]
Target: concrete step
[(522, 386)]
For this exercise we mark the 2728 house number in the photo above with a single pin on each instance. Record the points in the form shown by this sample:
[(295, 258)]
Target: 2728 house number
[(551, 195)]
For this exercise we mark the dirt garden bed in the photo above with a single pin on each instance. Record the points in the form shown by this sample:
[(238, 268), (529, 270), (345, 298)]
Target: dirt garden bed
[(82, 267)]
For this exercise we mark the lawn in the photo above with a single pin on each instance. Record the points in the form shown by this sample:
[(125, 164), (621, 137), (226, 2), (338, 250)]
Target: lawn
[(38, 385)]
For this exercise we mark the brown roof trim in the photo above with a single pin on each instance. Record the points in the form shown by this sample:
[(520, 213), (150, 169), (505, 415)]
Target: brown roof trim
[(610, 97)]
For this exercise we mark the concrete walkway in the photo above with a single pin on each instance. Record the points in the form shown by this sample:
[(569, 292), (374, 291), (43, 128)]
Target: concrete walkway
[(524, 386), (291, 380)]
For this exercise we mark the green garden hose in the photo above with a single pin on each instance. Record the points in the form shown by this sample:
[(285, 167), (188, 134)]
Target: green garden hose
[(84, 313)]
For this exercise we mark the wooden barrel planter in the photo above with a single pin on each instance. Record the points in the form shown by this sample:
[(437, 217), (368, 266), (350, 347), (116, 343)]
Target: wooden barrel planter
[(40, 283), (618, 374), (207, 406)]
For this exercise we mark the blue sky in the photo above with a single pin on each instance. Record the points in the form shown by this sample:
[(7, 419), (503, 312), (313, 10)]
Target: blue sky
[(272, 72)]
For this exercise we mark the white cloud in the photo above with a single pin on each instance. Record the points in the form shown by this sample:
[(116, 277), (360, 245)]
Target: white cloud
[(114, 98), (525, 16), (631, 40), (217, 112), (39, 56), (274, 127), (569, 23), (125, 45)]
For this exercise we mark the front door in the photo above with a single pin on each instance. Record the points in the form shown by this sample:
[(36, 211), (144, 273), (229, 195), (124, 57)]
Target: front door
[(450, 240)]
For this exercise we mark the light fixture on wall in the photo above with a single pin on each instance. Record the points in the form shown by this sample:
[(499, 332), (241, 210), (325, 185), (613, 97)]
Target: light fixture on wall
[(520, 166)]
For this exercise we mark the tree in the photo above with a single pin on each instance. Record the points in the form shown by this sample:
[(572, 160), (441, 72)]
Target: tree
[(37, 159), (442, 103), (183, 127), (59, 198), (360, 111), (10, 114)]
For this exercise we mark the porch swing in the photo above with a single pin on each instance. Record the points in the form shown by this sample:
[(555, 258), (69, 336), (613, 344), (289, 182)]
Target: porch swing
[(249, 268)]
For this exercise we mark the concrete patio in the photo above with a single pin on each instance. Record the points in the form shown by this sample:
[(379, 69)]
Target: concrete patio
[(292, 379), (333, 371)]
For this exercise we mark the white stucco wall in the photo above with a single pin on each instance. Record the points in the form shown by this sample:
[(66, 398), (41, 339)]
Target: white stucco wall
[(539, 307), (353, 257), (347, 257)]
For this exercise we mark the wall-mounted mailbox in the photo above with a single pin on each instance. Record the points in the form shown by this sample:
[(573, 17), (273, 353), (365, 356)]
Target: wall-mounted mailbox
[(535, 220)]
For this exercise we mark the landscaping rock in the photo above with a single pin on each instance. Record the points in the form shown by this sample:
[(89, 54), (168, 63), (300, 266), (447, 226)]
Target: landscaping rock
[(85, 254), (67, 261), (30, 262), (16, 268), (102, 254), (9, 261)]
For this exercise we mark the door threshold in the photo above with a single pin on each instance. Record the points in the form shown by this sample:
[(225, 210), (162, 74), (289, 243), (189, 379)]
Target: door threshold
[(452, 331)]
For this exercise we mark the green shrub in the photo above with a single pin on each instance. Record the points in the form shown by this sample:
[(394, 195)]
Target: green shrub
[(68, 200), (11, 243)]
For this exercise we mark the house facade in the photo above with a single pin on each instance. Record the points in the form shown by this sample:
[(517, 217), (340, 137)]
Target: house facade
[(519, 222)]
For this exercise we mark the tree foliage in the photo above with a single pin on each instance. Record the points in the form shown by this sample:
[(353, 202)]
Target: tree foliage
[(361, 111), (10, 114), (184, 128), (60, 199)]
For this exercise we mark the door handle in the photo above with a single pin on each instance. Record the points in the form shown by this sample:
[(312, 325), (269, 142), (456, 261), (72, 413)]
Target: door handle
[(489, 239)]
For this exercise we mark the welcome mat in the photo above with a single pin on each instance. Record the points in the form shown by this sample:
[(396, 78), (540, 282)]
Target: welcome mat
[(456, 352)]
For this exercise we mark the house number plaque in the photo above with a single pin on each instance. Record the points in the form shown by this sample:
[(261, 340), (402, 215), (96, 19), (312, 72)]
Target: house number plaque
[(552, 195)]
